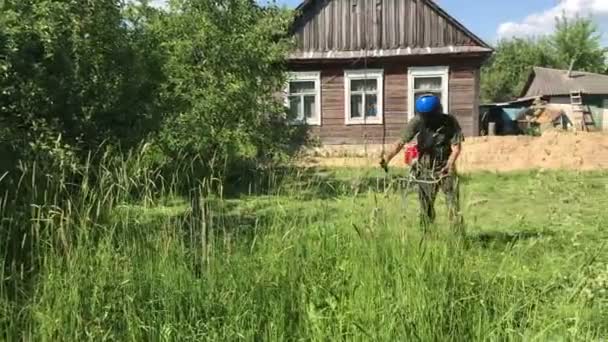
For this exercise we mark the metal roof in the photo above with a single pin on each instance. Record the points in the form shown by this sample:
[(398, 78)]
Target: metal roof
[(548, 82), (520, 101)]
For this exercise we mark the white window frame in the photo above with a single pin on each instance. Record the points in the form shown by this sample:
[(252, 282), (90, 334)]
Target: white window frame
[(350, 75), (314, 76), (432, 71)]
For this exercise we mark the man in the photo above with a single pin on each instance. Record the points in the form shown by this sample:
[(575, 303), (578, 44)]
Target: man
[(439, 139)]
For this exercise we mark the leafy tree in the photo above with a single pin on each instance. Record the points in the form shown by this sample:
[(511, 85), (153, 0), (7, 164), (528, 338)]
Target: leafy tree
[(225, 62), (575, 40), (508, 69), (75, 72), (578, 41), (196, 81)]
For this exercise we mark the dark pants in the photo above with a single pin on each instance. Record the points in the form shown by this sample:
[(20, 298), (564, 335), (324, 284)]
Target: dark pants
[(429, 183)]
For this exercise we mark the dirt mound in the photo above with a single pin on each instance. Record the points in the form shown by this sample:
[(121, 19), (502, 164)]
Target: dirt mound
[(552, 150)]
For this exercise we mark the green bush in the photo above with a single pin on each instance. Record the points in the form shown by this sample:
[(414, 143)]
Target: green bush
[(129, 100), (225, 64), (196, 82)]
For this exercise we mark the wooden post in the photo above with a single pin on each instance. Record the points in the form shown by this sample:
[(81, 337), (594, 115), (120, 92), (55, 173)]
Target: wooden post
[(492, 128)]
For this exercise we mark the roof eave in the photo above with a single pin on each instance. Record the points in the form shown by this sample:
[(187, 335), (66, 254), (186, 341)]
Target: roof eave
[(529, 81), (345, 55), (303, 4)]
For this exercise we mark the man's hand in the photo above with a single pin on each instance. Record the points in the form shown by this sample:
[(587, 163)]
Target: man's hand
[(384, 160), (447, 170), (383, 164), (449, 167)]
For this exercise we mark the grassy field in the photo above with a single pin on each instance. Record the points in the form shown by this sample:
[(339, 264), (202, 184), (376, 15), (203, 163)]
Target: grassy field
[(325, 255)]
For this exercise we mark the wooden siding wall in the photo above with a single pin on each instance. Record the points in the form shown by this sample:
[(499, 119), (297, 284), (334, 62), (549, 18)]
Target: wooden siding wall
[(463, 85), (462, 91), (375, 24)]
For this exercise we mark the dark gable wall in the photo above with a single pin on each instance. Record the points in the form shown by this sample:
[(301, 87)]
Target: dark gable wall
[(463, 92), (350, 25)]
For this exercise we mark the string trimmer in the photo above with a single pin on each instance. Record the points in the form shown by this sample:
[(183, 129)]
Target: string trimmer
[(411, 159)]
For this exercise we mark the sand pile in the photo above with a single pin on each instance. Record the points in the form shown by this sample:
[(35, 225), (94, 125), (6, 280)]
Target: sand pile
[(553, 150)]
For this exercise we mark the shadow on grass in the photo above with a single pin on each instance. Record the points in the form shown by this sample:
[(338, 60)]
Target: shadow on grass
[(499, 238), (314, 183)]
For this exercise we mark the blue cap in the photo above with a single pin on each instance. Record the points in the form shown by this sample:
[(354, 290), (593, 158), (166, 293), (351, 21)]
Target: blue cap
[(427, 104)]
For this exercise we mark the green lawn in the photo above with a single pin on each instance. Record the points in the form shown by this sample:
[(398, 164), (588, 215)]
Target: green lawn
[(333, 255)]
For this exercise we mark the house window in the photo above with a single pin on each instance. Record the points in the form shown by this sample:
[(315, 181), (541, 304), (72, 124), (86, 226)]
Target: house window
[(428, 80), (304, 98), (363, 92)]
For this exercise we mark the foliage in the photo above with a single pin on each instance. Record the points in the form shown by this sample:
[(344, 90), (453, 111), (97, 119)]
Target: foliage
[(87, 87), (192, 83), (77, 71), (508, 70), (224, 66), (574, 40), (577, 41)]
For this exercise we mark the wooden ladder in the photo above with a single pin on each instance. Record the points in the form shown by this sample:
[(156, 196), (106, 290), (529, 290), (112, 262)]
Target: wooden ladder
[(578, 106)]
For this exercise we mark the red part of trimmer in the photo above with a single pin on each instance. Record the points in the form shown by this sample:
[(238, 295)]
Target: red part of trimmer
[(411, 154)]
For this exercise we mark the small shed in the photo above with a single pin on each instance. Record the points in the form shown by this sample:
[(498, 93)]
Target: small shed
[(556, 86), (505, 115)]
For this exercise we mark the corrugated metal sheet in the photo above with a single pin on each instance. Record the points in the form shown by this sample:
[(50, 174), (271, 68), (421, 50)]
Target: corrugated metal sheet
[(550, 82), (396, 25)]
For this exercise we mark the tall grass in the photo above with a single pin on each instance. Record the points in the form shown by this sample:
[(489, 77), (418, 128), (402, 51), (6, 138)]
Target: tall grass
[(127, 254)]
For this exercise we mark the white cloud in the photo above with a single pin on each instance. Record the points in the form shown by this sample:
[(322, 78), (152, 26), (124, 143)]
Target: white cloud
[(544, 22)]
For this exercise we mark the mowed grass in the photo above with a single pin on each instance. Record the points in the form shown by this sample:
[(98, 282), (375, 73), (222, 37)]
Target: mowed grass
[(329, 255)]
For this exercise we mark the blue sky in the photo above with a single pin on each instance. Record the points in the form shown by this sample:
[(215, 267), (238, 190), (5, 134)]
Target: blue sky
[(491, 19)]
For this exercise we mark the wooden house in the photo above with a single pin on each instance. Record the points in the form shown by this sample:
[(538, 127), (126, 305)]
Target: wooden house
[(359, 65)]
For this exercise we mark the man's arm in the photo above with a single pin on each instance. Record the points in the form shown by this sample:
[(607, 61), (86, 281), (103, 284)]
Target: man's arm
[(456, 143), (393, 152), (449, 167), (408, 134)]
